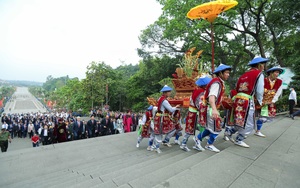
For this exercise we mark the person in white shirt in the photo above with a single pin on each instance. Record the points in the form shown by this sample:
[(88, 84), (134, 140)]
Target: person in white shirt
[(5, 125), (30, 129), (292, 100)]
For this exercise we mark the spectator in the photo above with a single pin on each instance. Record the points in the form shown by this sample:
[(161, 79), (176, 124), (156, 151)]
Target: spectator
[(105, 126), (35, 140), (70, 130), (30, 129), (4, 139), (78, 128), (113, 125), (127, 120), (10, 130), (91, 127), (60, 131), (292, 100), (135, 121), (4, 118), (45, 135)]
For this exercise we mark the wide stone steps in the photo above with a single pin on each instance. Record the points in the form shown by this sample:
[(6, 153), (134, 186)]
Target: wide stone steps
[(238, 161), (114, 161)]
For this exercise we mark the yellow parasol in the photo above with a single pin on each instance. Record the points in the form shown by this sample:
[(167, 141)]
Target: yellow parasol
[(209, 11)]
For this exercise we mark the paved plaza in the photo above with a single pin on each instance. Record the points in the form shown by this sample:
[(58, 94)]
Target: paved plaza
[(114, 161)]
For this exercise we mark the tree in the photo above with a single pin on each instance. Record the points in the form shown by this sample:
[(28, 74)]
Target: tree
[(253, 28)]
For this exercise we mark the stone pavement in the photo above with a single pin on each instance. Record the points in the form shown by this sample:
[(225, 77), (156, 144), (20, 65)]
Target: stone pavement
[(114, 161), (22, 102)]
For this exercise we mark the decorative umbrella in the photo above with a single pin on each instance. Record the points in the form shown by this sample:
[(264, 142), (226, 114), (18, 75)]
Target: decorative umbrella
[(210, 11)]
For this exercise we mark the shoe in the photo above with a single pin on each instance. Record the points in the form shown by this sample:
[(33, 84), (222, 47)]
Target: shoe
[(198, 144), (152, 148), (242, 144), (199, 149), (229, 136), (149, 148), (225, 138), (259, 134), (158, 150), (137, 145), (176, 142), (292, 117), (212, 148), (167, 144), (184, 148)]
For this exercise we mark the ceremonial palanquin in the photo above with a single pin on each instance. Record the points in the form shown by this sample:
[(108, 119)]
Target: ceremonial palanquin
[(184, 79)]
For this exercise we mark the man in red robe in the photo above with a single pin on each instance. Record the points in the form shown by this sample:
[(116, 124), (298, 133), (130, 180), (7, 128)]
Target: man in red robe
[(191, 120), (273, 89), (209, 113), (250, 84), (147, 131), (60, 131), (162, 121)]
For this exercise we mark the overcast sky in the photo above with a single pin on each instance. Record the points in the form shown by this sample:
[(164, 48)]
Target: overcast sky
[(61, 37)]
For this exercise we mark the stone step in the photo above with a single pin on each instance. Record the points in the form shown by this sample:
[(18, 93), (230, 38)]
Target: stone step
[(109, 184), (131, 166), (116, 162), (52, 154), (167, 171), (63, 182), (237, 161), (90, 183), (48, 182), (112, 160), (108, 160), (147, 169), (32, 182)]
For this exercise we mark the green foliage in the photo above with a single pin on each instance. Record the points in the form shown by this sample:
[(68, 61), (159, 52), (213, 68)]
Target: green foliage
[(6, 91), (146, 81), (52, 84), (252, 28), (282, 104)]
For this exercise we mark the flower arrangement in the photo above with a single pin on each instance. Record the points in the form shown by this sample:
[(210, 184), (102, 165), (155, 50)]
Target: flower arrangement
[(189, 66)]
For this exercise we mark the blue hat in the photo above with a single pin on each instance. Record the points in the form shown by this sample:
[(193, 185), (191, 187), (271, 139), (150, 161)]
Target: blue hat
[(257, 60), (222, 67), (275, 69), (166, 88), (150, 107), (203, 81)]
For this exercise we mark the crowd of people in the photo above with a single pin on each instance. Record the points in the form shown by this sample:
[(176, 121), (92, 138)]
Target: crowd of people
[(250, 104), (57, 127)]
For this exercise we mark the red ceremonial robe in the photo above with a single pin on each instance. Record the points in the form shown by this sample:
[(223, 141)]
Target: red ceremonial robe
[(162, 121), (246, 85), (271, 90), (191, 118), (146, 127), (204, 104)]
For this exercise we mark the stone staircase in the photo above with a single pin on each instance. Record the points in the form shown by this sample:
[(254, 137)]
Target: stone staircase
[(114, 161)]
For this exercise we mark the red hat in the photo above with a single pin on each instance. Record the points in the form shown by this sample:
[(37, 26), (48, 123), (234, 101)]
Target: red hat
[(60, 119)]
